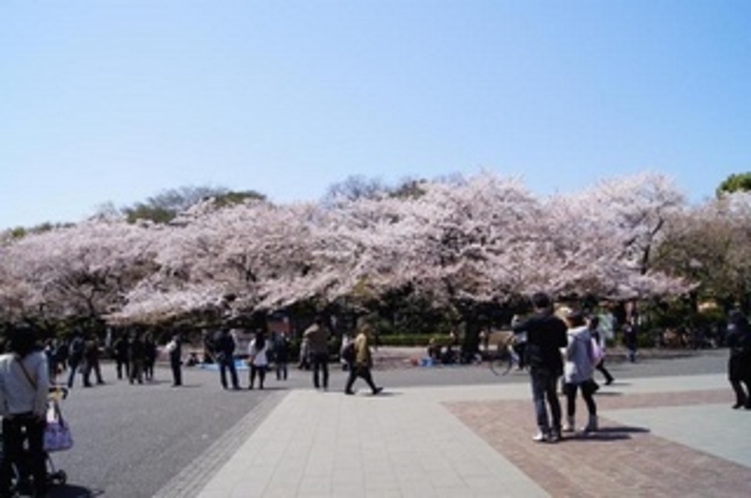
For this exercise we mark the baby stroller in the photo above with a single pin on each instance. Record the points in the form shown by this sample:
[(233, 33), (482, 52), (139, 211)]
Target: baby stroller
[(21, 477)]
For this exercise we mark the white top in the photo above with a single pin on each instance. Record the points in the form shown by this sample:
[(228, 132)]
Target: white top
[(579, 357), (17, 395), (258, 357)]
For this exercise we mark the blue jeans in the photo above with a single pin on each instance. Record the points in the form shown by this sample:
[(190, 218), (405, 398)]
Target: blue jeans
[(544, 385), (228, 364)]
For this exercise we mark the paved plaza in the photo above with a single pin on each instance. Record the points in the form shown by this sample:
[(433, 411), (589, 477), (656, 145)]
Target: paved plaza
[(661, 436)]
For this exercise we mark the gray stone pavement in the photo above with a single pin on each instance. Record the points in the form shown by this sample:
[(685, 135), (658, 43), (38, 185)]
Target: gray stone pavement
[(667, 436)]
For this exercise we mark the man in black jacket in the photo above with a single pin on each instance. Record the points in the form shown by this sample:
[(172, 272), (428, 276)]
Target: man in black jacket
[(225, 345), (546, 335)]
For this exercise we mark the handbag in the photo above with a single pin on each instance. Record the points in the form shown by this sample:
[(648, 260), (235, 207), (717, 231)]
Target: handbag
[(57, 435), (597, 352)]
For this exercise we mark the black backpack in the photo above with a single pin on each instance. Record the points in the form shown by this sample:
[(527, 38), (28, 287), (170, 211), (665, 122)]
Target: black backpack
[(348, 353), (76, 349)]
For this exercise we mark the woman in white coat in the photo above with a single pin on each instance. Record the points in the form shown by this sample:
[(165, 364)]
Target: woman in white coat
[(578, 369), (258, 359)]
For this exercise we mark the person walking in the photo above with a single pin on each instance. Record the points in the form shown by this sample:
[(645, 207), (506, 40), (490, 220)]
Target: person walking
[(577, 372), (175, 351), (546, 335), (24, 385), (91, 362), (738, 340), (75, 357), (363, 361), (258, 359), (599, 337), (318, 345), (224, 348)]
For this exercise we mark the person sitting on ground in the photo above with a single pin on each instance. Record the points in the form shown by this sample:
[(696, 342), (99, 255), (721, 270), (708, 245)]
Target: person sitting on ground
[(434, 350)]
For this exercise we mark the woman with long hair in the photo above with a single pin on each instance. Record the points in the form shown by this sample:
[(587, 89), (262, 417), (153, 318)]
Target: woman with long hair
[(578, 368), (258, 359)]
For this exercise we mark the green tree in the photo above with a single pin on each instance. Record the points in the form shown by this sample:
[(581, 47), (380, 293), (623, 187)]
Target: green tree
[(163, 207), (737, 182)]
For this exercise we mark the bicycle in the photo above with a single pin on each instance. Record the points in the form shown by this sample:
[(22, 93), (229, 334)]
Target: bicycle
[(504, 358)]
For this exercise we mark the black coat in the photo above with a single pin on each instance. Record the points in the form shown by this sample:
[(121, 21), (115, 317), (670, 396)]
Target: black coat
[(546, 335), (738, 340)]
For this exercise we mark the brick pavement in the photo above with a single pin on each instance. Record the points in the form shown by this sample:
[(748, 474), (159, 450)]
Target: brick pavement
[(620, 460), (661, 436)]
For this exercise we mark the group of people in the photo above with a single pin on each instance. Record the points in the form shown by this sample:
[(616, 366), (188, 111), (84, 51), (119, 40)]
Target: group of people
[(579, 338), (222, 349), (356, 355), (262, 352), (547, 336)]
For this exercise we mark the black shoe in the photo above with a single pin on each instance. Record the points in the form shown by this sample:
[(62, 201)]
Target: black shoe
[(608, 382), (737, 405), (349, 392), (377, 390)]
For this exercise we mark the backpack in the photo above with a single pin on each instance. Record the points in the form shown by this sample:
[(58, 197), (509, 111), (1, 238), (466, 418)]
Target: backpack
[(348, 353), (76, 348)]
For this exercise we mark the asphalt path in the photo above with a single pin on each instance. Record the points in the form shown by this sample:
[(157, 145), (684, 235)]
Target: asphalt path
[(138, 440)]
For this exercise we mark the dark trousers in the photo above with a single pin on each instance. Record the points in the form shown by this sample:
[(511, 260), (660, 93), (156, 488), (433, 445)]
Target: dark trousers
[(544, 390), (363, 372), (224, 366), (177, 374), (739, 376), (601, 367), (281, 370), (588, 390), (122, 365), (136, 371), (88, 368), (320, 363), (16, 431), (257, 371), (73, 364)]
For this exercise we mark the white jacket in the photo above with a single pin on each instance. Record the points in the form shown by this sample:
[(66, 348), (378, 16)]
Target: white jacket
[(579, 356), (17, 394), (258, 357)]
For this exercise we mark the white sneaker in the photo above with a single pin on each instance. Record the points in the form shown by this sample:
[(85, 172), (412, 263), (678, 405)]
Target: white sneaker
[(540, 437)]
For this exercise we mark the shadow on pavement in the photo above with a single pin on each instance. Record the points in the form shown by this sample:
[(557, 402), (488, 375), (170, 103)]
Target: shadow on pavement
[(70, 491)]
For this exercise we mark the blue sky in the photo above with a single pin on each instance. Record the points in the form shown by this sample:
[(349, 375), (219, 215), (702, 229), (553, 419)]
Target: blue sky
[(116, 101)]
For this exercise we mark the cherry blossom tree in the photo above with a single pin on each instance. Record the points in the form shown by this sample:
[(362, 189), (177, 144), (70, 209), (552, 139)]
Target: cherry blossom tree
[(464, 243), (82, 269)]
